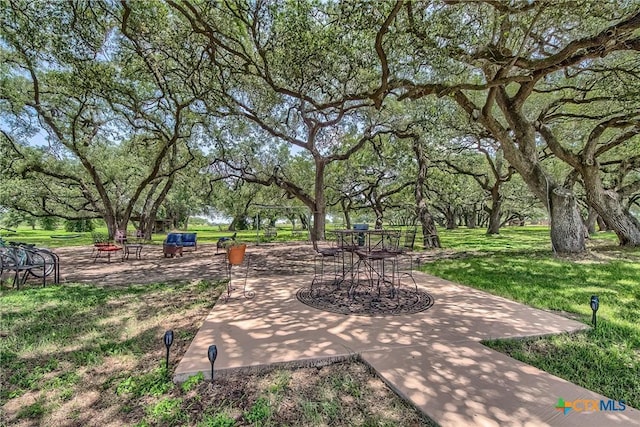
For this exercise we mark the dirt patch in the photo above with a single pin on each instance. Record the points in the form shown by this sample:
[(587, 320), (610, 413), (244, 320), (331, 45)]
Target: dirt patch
[(78, 265), (339, 394)]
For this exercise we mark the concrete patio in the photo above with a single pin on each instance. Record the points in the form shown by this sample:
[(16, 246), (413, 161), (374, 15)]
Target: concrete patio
[(433, 359)]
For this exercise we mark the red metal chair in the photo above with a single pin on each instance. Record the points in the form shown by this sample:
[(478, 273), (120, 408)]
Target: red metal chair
[(102, 245)]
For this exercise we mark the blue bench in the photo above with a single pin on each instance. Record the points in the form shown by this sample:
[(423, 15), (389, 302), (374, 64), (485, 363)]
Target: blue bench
[(190, 240), (175, 242)]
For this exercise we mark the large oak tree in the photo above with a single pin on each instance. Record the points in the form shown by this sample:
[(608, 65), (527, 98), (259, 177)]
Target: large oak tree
[(93, 78), (497, 56)]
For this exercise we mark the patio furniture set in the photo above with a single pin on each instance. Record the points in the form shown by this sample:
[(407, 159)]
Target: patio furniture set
[(365, 272), (122, 243), (173, 245), (360, 252)]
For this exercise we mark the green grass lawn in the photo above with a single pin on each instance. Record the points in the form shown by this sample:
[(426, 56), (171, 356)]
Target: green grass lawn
[(206, 234), (519, 265), (530, 238)]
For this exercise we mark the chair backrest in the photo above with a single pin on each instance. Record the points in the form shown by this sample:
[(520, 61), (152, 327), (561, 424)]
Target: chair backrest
[(391, 241), (223, 240), (345, 240), (189, 237), (173, 239), (120, 236), (409, 239), (361, 227)]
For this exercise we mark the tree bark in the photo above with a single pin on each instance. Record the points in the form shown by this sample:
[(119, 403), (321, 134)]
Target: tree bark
[(319, 223), (602, 226), (450, 218), (303, 221), (567, 230), (378, 223), (483, 220), (590, 221), (622, 222), (146, 223), (112, 224), (471, 218), (494, 218), (430, 237), (609, 207), (319, 206), (495, 212), (345, 206)]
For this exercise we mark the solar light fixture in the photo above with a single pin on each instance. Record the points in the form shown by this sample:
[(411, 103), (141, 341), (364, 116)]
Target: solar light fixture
[(595, 304), (212, 354), (168, 340)]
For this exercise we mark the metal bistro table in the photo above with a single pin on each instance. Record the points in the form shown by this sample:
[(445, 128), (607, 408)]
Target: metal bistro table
[(368, 279), (129, 247), (373, 259)]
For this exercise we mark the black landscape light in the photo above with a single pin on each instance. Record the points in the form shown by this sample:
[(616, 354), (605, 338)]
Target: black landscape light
[(595, 304), (168, 340), (212, 354)]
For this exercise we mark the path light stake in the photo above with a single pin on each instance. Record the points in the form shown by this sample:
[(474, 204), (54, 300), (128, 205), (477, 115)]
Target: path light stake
[(212, 353), (168, 340), (595, 304)]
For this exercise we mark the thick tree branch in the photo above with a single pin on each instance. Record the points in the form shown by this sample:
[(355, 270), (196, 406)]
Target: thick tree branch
[(557, 148)]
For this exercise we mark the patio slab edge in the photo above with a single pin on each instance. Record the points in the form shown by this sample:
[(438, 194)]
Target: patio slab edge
[(313, 362)]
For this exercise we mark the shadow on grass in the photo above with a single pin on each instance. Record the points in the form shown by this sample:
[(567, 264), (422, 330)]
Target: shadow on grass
[(79, 341)]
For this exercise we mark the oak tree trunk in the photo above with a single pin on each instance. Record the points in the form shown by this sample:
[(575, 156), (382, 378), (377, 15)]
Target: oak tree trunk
[(602, 226), (567, 229), (111, 222), (495, 212), (622, 222), (521, 151), (318, 205), (590, 221), (319, 222), (450, 218), (494, 222), (430, 237), (609, 207), (304, 222), (345, 214), (471, 219)]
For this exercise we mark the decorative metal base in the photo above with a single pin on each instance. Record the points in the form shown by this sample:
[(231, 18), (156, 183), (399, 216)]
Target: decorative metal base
[(248, 294), (338, 299)]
